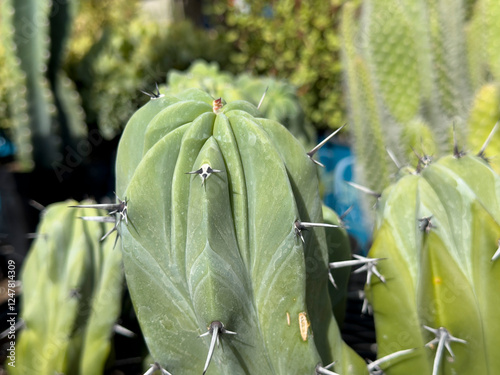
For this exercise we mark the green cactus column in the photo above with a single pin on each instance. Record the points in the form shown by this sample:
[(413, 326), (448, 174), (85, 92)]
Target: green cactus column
[(438, 234), (72, 286), (213, 248)]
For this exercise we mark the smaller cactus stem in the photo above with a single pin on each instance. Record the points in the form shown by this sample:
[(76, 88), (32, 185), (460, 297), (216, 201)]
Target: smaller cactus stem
[(374, 367), (321, 144), (215, 329), (325, 370), (497, 253), (443, 339), (300, 226), (263, 96), (425, 224), (205, 172), (121, 330), (217, 105), (155, 367), (368, 264), (364, 189), (487, 141), (153, 94)]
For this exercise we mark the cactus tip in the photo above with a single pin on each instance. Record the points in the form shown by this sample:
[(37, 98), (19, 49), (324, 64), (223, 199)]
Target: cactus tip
[(217, 105)]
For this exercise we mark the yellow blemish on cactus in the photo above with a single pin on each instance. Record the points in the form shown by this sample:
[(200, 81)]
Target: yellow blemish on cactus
[(304, 325), (437, 280), (288, 318)]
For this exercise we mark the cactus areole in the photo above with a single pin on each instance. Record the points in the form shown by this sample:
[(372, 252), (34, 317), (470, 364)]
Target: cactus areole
[(213, 194)]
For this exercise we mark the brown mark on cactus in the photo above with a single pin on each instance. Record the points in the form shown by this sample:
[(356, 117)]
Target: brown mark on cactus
[(205, 172), (321, 144), (288, 319), (216, 329), (217, 105)]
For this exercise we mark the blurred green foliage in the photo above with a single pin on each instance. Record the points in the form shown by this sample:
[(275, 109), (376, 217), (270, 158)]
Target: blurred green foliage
[(295, 40), (114, 57)]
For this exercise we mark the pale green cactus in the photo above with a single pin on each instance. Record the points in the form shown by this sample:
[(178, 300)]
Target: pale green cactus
[(72, 287), (224, 242), (436, 241)]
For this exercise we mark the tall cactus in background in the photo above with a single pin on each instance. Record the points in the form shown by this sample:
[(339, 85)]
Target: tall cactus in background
[(438, 235), (281, 100), (414, 69), (216, 245), (39, 103), (72, 287)]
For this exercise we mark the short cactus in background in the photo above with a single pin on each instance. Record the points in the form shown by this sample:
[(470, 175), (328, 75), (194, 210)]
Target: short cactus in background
[(72, 288), (437, 235), (281, 100), (414, 70), (223, 243)]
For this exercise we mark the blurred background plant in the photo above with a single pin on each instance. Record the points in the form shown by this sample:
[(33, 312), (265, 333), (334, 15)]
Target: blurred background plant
[(415, 70), (293, 40)]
